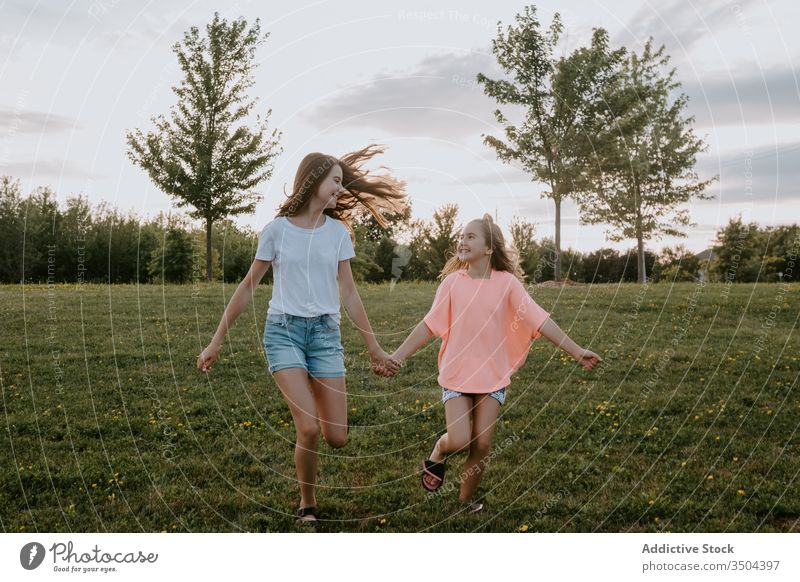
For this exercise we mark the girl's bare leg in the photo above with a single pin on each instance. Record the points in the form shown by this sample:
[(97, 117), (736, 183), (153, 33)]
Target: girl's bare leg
[(457, 413), (484, 418), (330, 396), (296, 388)]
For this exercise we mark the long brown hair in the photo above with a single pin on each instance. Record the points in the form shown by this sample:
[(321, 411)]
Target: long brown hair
[(379, 194), (504, 257)]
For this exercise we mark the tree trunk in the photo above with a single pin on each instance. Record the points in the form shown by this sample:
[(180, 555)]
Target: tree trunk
[(557, 267), (641, 267), (208, 251), (640, 254)]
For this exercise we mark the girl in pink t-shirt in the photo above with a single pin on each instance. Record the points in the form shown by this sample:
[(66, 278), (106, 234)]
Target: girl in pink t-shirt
[(486, 320)]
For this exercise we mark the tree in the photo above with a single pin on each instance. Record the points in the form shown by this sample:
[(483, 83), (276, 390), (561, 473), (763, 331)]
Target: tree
[(235, 248), (75, 224), (11, 233), (559, 97), (171, 260), (522, 233), (442, 238), (204, 156), (118, 246), (601, 266), (678, 264), (396, 222), (746, 253), (645, 157), (418, 267), (783, 246), (41, 220)]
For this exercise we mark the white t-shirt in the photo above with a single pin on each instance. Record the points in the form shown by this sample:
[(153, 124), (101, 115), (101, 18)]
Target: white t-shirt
[(305, 262)]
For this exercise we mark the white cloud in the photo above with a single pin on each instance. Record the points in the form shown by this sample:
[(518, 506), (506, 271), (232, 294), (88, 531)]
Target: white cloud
[(439, 97), (51, 168), (765, 174), (13, 121), (680, 25), (745, 97)]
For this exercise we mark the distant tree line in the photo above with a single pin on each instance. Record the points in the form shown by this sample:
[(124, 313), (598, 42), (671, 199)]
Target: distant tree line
[(42, 241)]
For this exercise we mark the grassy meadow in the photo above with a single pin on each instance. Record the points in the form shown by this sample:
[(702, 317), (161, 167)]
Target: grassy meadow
[(690, 425)]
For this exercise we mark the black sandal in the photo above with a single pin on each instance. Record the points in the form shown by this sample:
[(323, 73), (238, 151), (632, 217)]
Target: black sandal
[(433, 469), (303, 512)]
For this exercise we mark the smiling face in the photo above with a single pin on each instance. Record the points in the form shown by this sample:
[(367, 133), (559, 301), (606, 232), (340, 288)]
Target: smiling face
[(330, 188), (472, 246)]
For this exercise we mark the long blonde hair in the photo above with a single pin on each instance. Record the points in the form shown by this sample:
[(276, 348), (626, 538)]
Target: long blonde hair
[(504, 257), (377, 193)]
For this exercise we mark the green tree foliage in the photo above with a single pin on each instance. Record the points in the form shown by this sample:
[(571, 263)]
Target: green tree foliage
[(119, 246), (174, 257), (204, 155), (559, 96), (676, 264), (11, 231), (40, 224), (78, 243), (522, 233), (71, 251), (611, 266), (418, 267), (442, 237), (644, 174), (377, 247), (432, 243), (744, 252), (234, 249)]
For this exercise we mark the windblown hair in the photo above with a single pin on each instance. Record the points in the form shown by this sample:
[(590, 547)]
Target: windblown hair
[(504, 257), (379, 194)]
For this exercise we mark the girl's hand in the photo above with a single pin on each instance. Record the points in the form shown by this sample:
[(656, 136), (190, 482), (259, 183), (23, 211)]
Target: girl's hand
[(382, 365), (588, 359), (397, 361), (207, 357)]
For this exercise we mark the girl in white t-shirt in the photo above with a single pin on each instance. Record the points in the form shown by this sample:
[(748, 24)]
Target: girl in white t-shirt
[(309, 248)]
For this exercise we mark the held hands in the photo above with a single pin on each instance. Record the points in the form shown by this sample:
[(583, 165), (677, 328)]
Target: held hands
[(207, 357), (588, 359), (384, 365)]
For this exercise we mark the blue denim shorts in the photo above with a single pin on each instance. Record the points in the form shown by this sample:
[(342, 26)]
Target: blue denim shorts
[(499, 395), (312, 343)]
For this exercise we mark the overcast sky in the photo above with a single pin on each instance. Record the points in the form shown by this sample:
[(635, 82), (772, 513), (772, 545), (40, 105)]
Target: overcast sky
[(338, 75)]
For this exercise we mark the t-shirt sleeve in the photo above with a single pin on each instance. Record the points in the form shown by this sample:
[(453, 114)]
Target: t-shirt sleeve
[(346, 250), (266, 244), (525, 309), (438, 318)]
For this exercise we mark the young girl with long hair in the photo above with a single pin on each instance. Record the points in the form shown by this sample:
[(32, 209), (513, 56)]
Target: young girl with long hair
[(486, 320), (309, 247)]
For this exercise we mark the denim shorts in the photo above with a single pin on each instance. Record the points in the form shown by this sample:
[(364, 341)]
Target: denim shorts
[(312, 343), (499, 395)]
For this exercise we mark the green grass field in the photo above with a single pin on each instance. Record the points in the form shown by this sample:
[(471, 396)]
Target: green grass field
[(690, 425)]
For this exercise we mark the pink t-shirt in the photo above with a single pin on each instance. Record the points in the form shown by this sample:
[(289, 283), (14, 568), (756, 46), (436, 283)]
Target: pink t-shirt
[(486, 326)]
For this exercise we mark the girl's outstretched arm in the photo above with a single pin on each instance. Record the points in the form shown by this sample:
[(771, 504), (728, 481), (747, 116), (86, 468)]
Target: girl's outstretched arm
[(416, 339), (238, 301), (355, 309), (555, 334)]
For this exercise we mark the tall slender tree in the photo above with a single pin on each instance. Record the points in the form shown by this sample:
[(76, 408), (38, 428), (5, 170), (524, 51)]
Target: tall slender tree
[(204, 155), (645, 156), (559, 96)]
